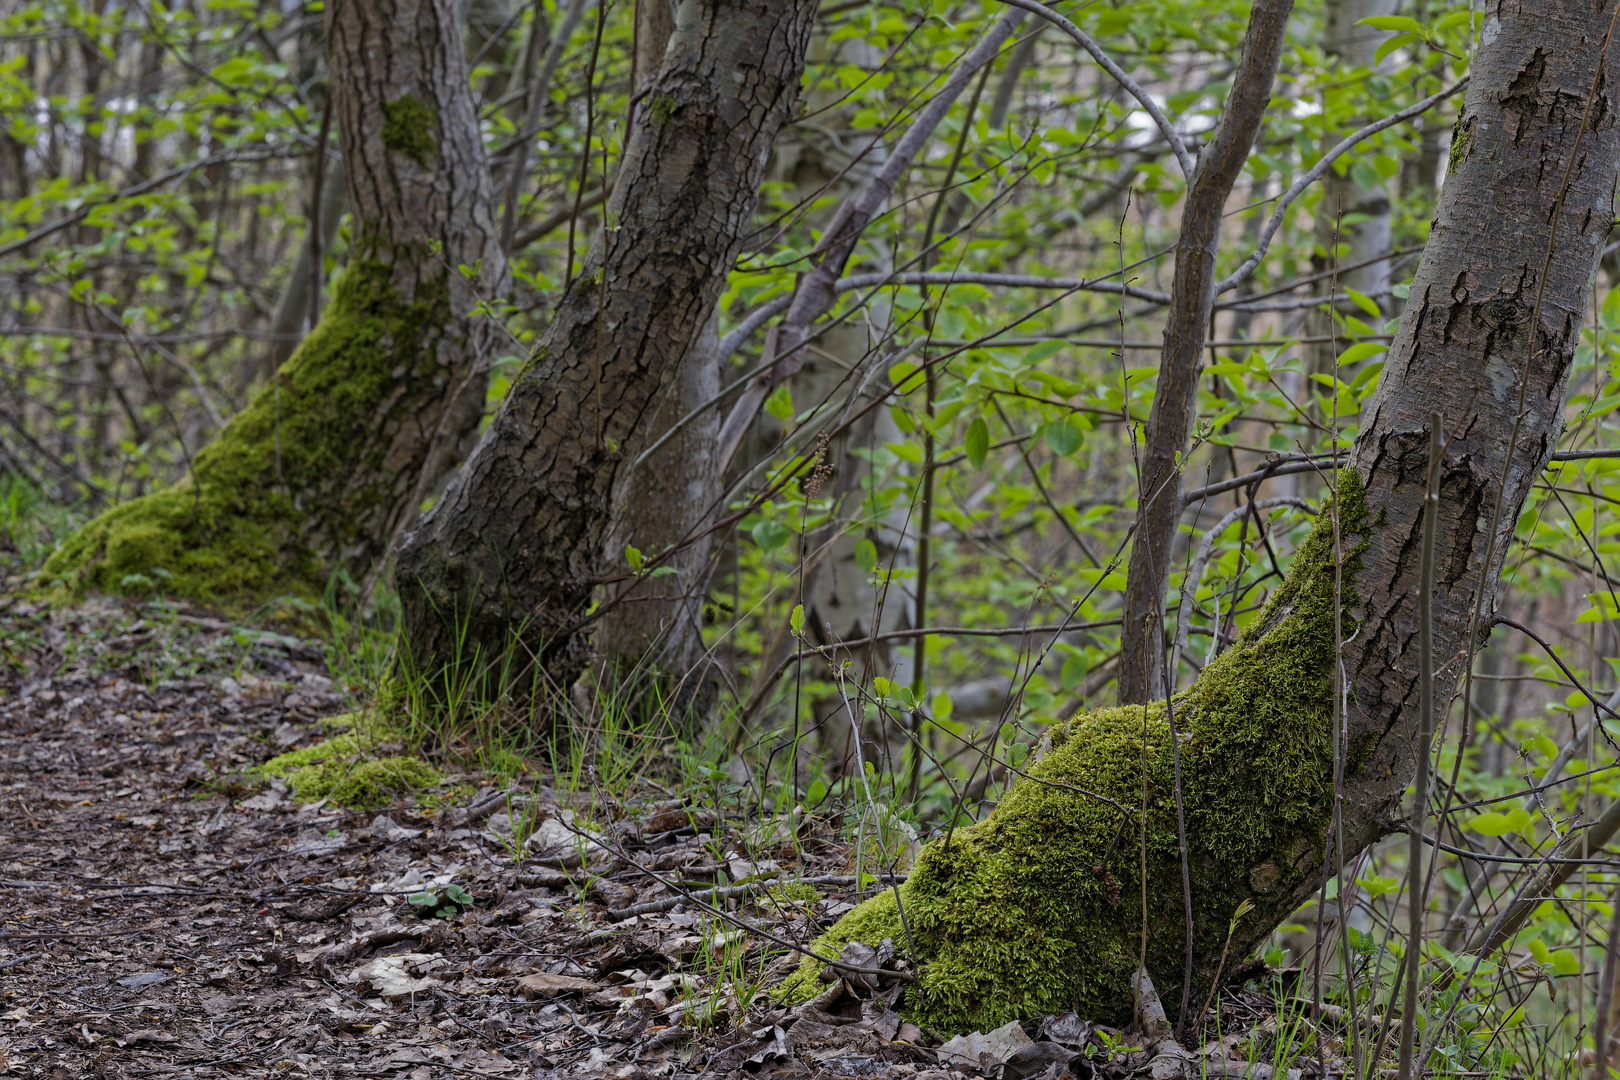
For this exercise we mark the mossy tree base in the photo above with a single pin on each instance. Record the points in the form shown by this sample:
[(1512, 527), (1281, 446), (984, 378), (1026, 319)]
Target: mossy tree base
[(1038, 908), (330, 461), (294, 483)]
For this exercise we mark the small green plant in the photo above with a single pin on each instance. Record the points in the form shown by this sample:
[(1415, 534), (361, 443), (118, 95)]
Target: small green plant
[(445, 903)]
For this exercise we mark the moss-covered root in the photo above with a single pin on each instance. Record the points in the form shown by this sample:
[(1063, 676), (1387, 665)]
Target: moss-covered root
[(295, 479), (347, 770), (1039, 908)]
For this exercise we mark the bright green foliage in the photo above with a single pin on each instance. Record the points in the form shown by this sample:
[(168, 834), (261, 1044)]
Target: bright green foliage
[(237, 532), (408, 124), (1013, 917)]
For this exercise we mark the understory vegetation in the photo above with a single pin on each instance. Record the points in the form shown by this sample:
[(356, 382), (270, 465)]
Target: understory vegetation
[(910, 616)]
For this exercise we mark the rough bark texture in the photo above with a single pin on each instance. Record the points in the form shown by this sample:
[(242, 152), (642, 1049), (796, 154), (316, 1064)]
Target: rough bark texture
[(652, 627), (516, 545), (1141, 663), (332, 458), (1036, 909)]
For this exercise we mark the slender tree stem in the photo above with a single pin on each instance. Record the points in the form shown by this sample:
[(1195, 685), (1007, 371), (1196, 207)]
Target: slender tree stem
[(1417, 894)]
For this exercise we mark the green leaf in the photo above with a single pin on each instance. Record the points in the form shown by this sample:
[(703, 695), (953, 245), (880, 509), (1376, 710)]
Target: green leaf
[(1400, 41), (866, 555), (663, 571), (796, 620), (780, 403), (943, 706), (1063, 437), (977, 443), (770, 535), (815, 792), (1364, 302), (1393, 22), (1044, 351), (1017, 753), (1611, 308), (1074, 672), (882, 687), (422, 899), (632, 555), (1361, 350)]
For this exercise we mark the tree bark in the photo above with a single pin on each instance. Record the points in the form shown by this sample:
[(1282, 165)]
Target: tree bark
[(334, 456), (515, 549), (1039, 908), (1141, 661), (652, 626)]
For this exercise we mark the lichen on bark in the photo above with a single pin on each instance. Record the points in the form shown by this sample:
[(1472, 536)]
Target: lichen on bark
[(258, 515), (1038, 908)]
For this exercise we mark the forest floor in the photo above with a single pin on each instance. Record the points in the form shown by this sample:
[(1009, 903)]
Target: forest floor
[(166, 912)]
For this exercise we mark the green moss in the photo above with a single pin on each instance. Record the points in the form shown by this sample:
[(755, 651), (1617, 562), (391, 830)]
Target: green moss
[(1460, 134), (663, 107), (408, 124), (298, 472), (1017, 916), (346, 770)]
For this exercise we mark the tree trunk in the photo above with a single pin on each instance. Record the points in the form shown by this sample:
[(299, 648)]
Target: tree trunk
[(652, 626), (333, 457), (516, 547), (1141, 661), (1040, 907)]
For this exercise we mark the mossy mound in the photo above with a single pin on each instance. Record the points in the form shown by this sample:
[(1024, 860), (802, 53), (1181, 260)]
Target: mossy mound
[(1038, 908), (293, 479), (347, 770)]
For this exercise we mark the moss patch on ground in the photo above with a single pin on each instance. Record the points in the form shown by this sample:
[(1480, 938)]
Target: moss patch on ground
[(1038, 908), (293, 479), (349, 770)]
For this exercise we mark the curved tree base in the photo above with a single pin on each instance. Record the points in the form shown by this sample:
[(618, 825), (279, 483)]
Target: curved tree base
[(296, 483), (1039, 908)]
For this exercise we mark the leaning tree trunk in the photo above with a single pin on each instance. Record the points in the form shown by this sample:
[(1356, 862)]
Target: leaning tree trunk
[(1141, 658), (516, 546), (651, 625), (334, 455), (1040, 907)]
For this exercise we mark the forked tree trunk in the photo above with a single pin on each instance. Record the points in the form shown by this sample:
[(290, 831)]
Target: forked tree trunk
[(1040, 907), (332, 458), (516, 547)]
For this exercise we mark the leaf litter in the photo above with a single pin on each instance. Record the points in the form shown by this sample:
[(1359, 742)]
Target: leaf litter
[(163, 911)]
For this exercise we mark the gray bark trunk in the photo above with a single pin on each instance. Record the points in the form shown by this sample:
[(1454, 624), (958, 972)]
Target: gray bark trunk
[(1257, 752), (516, 547), (1466, 347)]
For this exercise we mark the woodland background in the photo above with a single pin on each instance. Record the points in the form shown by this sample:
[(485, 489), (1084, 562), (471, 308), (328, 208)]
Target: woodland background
[(173, 217)]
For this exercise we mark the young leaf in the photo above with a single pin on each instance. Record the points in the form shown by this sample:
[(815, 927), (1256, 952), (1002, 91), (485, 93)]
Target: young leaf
[(866, 555), (1399, 41), (770, 535), (780, 403), (796, 620), (1063, 437), (1393, 22), (977, 444), (632, 555)]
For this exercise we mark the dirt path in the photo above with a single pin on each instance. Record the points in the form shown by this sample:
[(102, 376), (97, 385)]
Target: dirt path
[(159, 917)]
